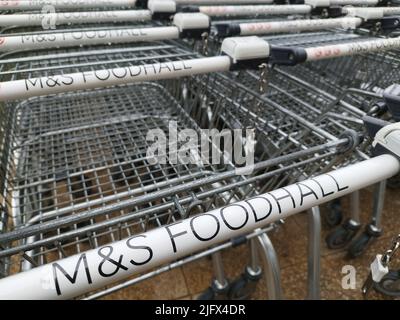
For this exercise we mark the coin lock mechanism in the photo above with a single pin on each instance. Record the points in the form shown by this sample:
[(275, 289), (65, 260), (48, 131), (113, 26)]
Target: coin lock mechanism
[(162, 9), (246, 52), (192, 25)]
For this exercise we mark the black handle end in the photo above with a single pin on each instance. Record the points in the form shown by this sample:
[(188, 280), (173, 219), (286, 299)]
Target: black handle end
[(227, 30), (392, 99), (189, 9), (287, 56)]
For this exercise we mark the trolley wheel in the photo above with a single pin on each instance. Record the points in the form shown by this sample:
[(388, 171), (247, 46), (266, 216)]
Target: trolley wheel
[(360, 244), (390, 284), (334, 216), (207, 295), (243, 287), (342, 235), (214, 293)]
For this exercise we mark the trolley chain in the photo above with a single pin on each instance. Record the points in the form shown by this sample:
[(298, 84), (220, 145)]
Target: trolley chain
[(376, 28), (263, 80), (388, 255), (380, 266), (205, 38)]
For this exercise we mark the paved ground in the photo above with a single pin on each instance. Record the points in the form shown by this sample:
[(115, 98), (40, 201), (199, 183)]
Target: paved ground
[(290, 242)]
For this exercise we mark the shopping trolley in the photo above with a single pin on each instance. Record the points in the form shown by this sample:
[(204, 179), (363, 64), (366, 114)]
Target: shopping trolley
[(328, 93), (92, 189), (95, 4), (54, 281), (334, 110), (364, 91), (223, 282), (37, 5), (153, 13), (163, 10), (213, 111), (191, 26), (176, 31)]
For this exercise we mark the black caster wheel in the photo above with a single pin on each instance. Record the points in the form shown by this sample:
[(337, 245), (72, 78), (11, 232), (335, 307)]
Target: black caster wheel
[(334, 216), (207, 295), (361, 243), (243, 287), (342, 235), (390, 284), (214, 293)]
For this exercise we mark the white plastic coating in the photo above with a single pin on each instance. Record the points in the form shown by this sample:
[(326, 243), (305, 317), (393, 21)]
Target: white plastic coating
[(256, 10), (216, 2), (99, 267), (354, 2), (161, 6), (389, 138), (21, 89), (246, 48), (50, 19), (388, 11), (64, 4), (385, 11), (365, 13), (77, 38), (348, 49), (317, 3), (297, 25), (187, 21)]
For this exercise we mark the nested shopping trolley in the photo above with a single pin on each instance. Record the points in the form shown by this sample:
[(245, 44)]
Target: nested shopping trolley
[(126, 11), (142, 252), (37, 5), (77, 172), (105, 14), (27, 29), (312, 72), (335, 97)]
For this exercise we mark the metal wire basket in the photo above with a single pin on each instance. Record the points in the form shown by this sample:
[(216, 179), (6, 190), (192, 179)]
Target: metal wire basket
[(78, 175)]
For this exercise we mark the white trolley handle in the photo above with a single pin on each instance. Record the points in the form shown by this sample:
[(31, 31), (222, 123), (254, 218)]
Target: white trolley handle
[(157, 10), (291, 56), (89, 37), (336, 2), (22, 89), (191, 25), (49, 19), (255, 10), (76, 275), (63, 4), (371, 13), (238, 52), (259, 10), (348, 49), (241, 52), (257, 28), (195, 23), (221, 2), (306, 7), (391, 10), (354, 2)]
